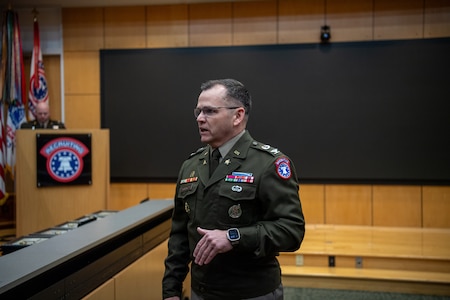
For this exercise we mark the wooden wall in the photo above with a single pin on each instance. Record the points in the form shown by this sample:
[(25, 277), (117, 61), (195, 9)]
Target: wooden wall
[(87, 30), (344, 204)]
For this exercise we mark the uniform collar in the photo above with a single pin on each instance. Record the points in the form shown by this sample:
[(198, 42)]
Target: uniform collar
[(225, 148), (230, 162)]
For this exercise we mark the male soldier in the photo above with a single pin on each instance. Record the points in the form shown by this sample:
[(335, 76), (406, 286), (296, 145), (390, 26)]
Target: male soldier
[(43, 120), (232, 222)]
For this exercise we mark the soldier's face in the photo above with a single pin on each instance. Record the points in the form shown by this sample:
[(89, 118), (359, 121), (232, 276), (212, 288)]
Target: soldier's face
[(216, 120), (42, 114)]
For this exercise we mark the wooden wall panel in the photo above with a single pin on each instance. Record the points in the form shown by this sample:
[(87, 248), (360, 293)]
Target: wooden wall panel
[(350, 20), (312, 197), (300, 21), (82, 29), (82, 72), (161, 190), (82, 111), (125, 27), (52, 65), (167, 26), (437, 16), (348, 204), (210, 24), (398, 19), (397, 206), (436, 206), (125, 195), (255, 23)]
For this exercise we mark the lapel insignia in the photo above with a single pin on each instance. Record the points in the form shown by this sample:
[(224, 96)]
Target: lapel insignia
[(227, 162), (192, 174), (187, 208), (236, 152)]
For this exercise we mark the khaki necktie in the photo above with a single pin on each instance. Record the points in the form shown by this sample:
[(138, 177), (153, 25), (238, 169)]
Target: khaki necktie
[(215, 157)]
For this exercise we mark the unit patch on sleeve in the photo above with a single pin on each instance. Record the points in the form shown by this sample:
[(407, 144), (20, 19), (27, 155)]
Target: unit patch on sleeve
[(283, 167)]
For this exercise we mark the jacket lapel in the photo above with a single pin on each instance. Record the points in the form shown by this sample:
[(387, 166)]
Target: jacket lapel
[(231, 161), (203, 166)]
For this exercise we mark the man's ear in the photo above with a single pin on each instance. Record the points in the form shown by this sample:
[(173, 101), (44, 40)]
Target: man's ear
[(239, 116)]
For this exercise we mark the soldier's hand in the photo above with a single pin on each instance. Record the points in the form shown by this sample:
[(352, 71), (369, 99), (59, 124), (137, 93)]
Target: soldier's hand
[(212, 243)]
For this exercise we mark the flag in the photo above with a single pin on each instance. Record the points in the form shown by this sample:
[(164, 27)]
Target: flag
[(13, 93), (38, 90), (3, 193)]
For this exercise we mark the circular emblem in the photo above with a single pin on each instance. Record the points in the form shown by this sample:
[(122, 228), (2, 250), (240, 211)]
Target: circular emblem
[(64, 158), (64, 165), (283, 168), (39, 89), (235, 211)]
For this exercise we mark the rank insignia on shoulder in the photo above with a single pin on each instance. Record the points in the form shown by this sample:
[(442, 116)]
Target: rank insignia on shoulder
[(267, 148), (197, 151), (283, 167), (188, 180)]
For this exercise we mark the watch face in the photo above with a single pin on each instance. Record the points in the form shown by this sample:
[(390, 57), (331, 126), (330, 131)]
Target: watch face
[(233, 234)]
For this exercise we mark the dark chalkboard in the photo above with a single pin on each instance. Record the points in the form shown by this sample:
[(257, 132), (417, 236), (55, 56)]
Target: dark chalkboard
[(344, 112)]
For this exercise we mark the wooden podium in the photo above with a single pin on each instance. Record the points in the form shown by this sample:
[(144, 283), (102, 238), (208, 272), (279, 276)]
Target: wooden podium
[(38, 208)]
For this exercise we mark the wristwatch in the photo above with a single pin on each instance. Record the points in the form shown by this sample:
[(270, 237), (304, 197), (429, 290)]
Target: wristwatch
[(233, 236)]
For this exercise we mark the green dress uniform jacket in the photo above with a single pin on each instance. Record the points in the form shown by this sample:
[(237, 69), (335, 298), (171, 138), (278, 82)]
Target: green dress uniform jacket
[(254, 189), (50, 125)]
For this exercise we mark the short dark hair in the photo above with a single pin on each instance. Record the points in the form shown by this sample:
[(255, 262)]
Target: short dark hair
[(235, 90)]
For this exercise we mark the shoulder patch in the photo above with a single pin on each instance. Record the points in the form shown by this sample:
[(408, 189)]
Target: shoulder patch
[(283, 167), (199, 150), (266, 148)]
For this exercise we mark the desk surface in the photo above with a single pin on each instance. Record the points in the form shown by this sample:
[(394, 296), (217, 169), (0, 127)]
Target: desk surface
[(24, 264)]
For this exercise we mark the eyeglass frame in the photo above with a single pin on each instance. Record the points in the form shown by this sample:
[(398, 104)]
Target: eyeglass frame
[(213, 110)]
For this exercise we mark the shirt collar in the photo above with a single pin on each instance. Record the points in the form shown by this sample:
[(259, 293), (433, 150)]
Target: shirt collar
[(225, 148)]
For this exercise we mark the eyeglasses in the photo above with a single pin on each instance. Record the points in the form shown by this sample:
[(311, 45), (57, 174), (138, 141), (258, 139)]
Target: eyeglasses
[(210, 111)]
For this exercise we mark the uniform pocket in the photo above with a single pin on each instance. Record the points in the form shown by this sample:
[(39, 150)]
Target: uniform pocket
[(236, 204), (187, 189), (187, 192)]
